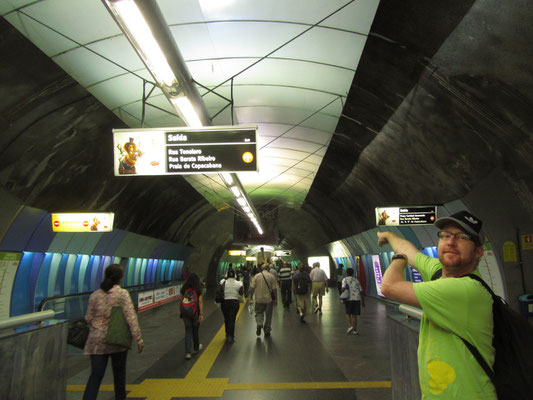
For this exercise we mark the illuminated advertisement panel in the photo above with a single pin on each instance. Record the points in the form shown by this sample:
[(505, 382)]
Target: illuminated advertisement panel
[(180, 151), (415, 276), (376, 266), (239, 253), (9, 263), (395, 216), (82, 222)]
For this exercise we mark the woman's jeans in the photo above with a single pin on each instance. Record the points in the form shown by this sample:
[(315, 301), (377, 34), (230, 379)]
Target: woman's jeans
[(98, 367), (191, 335), (230, 308)]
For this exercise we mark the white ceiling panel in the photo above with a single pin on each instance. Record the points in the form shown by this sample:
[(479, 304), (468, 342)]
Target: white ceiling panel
[(302, 74), (49, 42), (282, 96)]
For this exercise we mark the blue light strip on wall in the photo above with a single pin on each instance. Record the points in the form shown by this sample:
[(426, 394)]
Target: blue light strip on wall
[(42, 275)]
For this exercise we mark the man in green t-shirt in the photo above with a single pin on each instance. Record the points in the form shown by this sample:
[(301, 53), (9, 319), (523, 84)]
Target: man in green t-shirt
[(454, 305)]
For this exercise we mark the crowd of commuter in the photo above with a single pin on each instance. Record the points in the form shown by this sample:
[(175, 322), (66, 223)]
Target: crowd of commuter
[(256, 284)]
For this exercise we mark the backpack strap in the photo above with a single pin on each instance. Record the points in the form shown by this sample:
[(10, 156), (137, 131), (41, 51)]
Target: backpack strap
[(475, 352)]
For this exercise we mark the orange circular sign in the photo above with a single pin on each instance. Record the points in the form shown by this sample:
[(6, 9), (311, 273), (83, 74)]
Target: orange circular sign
[(247, 157)]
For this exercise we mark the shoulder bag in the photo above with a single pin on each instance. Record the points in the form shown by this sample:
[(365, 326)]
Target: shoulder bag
[(219, 295), (118, 330), (268, 286)]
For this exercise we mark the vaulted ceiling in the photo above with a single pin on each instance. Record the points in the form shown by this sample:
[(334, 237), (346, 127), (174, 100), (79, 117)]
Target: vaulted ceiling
[(358, 104)]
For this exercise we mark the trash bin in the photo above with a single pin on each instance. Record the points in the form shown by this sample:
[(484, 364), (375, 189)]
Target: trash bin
[(526, 305)]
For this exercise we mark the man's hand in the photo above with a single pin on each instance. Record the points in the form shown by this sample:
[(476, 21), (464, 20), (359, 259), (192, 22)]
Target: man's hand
[(383, 238)]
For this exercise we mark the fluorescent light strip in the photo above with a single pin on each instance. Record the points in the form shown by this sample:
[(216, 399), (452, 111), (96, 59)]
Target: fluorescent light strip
[(187, 111), (227, 178), (236, 191), (241, 201), (145, 42)]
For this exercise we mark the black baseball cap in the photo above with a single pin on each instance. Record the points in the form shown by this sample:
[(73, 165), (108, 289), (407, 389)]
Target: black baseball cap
[(467, 222)]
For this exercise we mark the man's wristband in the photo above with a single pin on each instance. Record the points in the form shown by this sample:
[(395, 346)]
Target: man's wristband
[(399, 257)]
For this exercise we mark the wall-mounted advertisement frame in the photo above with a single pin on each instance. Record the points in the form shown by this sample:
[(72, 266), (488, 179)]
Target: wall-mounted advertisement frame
[(157, 297), (82, 222), (376, 266), (9, 263), (411, 215), (184, 151)]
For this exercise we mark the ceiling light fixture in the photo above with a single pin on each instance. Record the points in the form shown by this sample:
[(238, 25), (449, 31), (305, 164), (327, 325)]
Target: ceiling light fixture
[(133, 24), (187, 112), (236, 191)]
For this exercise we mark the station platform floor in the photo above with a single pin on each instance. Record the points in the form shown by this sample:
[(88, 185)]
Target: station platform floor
[(315, 360)]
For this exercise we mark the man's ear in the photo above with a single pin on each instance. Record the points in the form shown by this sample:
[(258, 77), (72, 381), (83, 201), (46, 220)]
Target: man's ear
[(479, 252)]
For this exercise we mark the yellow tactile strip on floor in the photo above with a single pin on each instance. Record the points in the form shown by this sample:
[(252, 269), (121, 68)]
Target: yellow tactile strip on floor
[(196, 384), (166, 389)]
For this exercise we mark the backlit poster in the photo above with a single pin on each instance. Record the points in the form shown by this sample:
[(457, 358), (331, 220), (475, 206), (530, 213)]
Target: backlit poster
[(171, 151), (9, 263), (415, 276), (412, 215), (376, 264), (82, 222)]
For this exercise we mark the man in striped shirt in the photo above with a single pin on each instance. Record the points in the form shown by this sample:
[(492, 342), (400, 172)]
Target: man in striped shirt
[(285, 281)]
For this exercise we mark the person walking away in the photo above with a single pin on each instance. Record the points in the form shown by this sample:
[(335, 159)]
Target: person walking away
[(272, 269), (285, 280), (353, 303), (101, 302), (455, 306), (319, 286), (264, 285), (246, 281), (301, 287), (192, 313), (233, 290), (340, 276)]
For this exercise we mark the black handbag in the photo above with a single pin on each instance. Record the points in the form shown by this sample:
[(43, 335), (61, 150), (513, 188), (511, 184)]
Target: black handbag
[(219, 295), (78, 331)]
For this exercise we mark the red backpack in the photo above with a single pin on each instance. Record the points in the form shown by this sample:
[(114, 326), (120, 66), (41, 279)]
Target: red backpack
[(189, 304)]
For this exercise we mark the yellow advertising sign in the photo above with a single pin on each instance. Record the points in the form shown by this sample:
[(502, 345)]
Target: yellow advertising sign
[(82, 222), (240, 253), (509, 252)]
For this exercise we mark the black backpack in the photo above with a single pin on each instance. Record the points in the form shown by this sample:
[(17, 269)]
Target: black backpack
[(512, 372), (302, 285)]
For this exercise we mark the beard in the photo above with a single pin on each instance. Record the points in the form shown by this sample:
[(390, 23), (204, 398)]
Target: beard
[(450, 262)]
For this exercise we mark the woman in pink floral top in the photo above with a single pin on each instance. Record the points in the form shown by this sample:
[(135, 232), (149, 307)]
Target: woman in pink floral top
[(101, 302)]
